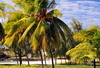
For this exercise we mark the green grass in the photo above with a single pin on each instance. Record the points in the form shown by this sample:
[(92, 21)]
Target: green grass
[(48, 66)]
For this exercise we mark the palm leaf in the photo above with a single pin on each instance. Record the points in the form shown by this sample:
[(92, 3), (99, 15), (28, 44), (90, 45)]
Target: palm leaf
[(66, 32), (55, 13), (37, 34), (26, 31), (5, 5), (45, 42), (51, 4)]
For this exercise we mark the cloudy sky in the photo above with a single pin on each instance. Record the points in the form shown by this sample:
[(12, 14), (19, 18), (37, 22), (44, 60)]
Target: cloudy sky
[(87, 11)]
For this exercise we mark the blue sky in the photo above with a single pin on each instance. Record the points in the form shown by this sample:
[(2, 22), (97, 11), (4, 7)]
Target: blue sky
[(87, 11)]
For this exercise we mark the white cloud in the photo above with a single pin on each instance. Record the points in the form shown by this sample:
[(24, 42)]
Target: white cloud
[(87, 11)]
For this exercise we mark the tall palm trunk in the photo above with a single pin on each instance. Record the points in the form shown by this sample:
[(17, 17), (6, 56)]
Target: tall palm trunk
[(94, 64), (20, 56), (51, 55), (51, 58), (50, 50), (41, 57)]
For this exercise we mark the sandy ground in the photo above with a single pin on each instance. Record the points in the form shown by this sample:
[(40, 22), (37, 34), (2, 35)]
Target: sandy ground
[(32, 62)]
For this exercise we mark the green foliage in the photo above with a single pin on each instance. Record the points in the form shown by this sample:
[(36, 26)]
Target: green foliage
[(36, 23), (3, 7), (76, 25), (55, 13), (89, 46), (82, 51)]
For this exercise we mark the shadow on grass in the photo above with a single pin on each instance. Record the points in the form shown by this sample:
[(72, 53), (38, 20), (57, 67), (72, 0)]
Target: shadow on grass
[(7, 64), (22, 66)]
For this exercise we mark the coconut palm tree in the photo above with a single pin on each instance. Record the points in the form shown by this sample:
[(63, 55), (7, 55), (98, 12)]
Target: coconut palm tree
[(39, 23)]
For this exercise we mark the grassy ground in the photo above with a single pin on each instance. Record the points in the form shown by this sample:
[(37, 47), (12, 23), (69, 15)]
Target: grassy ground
[(48, 66)]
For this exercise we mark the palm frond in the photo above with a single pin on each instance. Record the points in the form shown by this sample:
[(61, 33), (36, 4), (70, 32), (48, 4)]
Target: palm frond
[(26, 31), (55, 13), (45, 42), (66, 31), (51, 4), (82, 51), (5, 5), (1, 13), (15, 16), (55, 37), (37, 34)]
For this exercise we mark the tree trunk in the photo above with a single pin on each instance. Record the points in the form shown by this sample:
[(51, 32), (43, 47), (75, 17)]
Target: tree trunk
[(94, 64), (20, 57), (52, 58), (50, 48), (41, 58)]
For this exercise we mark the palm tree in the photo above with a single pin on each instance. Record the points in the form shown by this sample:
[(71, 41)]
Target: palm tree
[(91, 36), (43, 28), (82, 51)]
